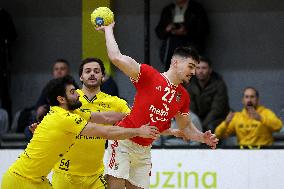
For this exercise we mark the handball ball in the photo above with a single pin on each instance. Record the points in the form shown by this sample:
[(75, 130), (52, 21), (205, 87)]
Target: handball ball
[(102, 16)]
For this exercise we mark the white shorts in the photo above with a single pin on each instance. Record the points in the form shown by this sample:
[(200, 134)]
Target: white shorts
[(128, 160)]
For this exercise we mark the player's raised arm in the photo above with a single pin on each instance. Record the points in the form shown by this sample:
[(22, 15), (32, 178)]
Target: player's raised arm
[(125, 63)]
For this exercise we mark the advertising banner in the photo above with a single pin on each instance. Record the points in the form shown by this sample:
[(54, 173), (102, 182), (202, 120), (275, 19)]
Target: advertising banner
[(205, 169)]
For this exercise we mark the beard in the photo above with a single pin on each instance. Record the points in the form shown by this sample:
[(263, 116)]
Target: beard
[(73, 105), (186, 81), (92, 86)]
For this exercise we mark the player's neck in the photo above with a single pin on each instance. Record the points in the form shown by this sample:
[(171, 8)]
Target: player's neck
[(91, 92), (64, 106), (172, 77)]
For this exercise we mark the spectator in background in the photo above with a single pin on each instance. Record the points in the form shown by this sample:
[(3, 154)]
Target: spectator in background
[(60, 69), (208, 94), (253, 126), (183, 23)]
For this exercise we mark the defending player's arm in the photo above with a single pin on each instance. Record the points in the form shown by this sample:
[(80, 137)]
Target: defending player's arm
[(192, 133), (119, 133), (108, 118), (125, 63)]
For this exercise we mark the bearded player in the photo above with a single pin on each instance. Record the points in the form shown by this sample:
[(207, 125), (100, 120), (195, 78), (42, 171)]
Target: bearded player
[(82, 166), (55, 136)]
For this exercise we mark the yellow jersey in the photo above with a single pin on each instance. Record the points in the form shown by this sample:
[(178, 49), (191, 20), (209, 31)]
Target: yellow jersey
[(86, 156), (250, 131), (52, 138)]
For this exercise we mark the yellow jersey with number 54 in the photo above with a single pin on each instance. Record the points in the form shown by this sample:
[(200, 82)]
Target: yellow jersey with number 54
[(53, 137), (85, 158)]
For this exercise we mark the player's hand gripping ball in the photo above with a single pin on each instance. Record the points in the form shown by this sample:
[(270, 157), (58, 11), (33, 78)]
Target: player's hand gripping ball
[(102, 16)]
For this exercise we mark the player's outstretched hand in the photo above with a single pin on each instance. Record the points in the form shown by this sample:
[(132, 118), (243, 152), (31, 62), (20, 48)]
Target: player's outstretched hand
[(147, 131), (103, 28), (32, 127), (210, 139)]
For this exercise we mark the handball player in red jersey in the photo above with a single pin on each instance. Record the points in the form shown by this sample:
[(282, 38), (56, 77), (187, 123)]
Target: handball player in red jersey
[(159, 98)]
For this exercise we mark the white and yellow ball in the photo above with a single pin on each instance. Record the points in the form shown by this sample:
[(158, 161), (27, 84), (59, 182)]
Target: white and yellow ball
[(102, 16)]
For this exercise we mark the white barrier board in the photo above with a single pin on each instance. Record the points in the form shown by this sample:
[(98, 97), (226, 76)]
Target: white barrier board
[(222, 169), (205, 169)]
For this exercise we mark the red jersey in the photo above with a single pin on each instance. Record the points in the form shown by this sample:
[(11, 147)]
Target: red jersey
[(157, 101)]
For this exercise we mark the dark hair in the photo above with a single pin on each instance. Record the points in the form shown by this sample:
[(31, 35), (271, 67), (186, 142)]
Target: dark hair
[(206, 60), (255, 90), (187, 52), (63, 61), (88, 60), (57, 87)]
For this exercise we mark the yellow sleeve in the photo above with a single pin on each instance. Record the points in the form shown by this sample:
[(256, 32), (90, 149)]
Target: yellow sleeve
[(220, 130), (270, 120), (223, 130), (122, 106), (84, 113), (74, 123)]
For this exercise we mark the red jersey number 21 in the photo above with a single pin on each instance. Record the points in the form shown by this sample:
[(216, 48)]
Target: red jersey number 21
[(168, 97)]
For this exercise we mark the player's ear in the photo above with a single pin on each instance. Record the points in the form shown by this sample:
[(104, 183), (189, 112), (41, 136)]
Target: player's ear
[(174, 62), (81, 79), (61, 99)]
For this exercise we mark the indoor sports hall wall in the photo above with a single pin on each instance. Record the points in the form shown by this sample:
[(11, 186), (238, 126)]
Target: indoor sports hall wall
[(46, 31), (246, 44)]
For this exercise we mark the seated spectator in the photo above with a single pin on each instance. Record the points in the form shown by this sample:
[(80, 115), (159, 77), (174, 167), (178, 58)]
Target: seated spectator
[(253, 126), (208, 95), (60, 69)]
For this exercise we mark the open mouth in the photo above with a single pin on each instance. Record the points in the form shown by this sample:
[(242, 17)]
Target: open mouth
[(92, 79)]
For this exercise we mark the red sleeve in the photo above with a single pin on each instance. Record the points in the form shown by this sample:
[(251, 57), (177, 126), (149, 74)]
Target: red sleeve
[(184, 110), (145, 75)]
